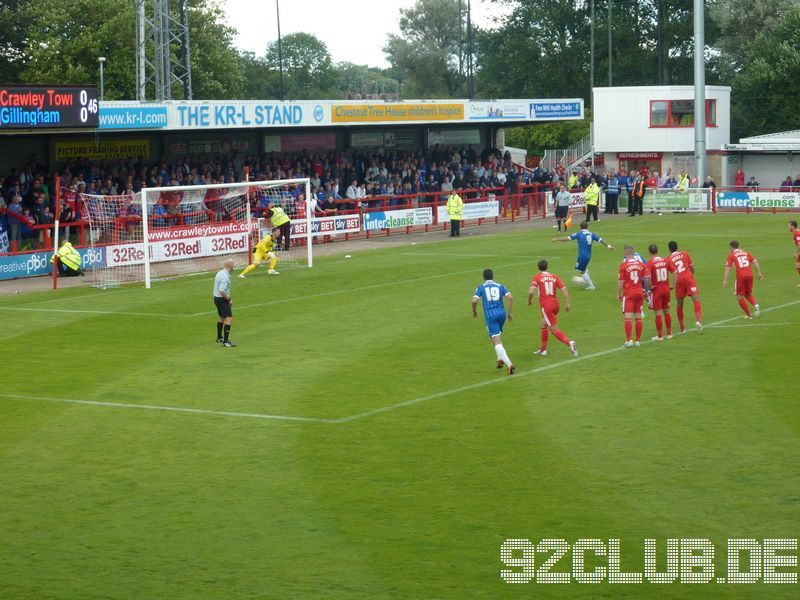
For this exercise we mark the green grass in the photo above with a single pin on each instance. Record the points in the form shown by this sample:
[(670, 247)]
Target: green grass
[(695, 437)]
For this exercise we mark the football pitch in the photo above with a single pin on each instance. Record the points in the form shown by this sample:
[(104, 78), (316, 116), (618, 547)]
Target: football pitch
[(359, 442)]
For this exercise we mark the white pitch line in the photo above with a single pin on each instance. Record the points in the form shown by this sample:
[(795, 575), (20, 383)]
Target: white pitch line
[(91, 312), (369, 413), (346, 290), (748, 325), (487, 382), (457, 254), (197, 411)]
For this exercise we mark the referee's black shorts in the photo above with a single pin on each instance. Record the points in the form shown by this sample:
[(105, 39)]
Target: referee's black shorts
[(562, 212), (224, 309)]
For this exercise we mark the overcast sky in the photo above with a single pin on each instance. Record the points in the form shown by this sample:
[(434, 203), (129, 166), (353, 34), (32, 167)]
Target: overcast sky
[(353, 30)]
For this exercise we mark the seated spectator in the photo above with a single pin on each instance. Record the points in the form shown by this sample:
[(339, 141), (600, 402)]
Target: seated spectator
[(752, 184), (709, 182), (786, 186)]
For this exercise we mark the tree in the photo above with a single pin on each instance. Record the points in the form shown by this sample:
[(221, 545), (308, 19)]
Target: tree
[(61, 43), (538, 138), (354, 80), (307, 66), (12, 41), (765, 91), (425, 56)]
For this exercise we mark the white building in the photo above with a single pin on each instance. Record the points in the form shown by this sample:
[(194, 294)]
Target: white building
[(652, 127), (769, 158)]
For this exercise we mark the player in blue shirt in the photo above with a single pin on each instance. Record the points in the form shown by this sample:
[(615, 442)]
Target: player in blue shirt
[(585, 239), (492, 294)]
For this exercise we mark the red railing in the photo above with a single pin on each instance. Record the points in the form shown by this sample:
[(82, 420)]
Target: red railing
[(528, 202)]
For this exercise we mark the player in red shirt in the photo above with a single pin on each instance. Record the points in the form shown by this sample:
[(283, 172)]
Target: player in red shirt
[(547, 284), (796, 237), (742, 260), (656, 274), (680, 264), (631, 293)]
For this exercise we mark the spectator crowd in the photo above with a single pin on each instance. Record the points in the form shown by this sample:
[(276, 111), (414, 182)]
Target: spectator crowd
[(338, 179)]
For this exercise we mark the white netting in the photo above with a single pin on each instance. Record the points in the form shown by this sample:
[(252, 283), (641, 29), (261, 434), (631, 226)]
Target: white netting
[(189, 229)]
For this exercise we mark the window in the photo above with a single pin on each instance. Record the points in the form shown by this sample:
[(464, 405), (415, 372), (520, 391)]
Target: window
[(658, 113), (679, 113)]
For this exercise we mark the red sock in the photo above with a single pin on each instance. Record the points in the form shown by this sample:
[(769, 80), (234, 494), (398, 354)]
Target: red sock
[(561, 337), (659, 325), (544, 338), (668, 321), (698, 311), (628, 329), (743, 304), (680, 318), (638, 329), (750, 299)]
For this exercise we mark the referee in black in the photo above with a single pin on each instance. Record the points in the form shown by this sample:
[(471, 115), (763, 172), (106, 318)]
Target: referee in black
[(222, 300)]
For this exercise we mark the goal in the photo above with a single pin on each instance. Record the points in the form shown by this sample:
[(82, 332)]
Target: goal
[(192, 229)]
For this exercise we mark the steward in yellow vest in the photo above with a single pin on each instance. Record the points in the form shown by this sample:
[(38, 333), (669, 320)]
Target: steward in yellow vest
[(69, 260), (455, 209)]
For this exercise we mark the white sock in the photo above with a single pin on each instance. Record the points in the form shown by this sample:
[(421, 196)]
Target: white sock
[(588, 279), (501, 354)]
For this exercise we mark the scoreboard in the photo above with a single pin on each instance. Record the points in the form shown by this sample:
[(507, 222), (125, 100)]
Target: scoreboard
[(48, 107)]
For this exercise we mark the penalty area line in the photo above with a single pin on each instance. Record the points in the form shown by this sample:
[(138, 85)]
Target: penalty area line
[(178, 409), (518, 375)]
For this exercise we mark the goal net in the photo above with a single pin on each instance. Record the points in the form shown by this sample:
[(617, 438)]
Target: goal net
[(193, 229)]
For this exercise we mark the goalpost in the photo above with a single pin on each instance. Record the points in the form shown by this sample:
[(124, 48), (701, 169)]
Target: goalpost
[(166, 232)]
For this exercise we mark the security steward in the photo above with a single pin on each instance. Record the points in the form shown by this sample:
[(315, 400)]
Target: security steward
[(69, 260), (455, 209)]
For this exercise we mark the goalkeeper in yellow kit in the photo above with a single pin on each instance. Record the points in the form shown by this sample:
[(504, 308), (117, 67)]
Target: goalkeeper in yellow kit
[(265, 249)]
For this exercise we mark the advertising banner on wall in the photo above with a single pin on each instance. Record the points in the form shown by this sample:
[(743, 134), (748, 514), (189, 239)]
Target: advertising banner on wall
[(133, 117), (472, 210), (397, 112), (327, 226), (555, 110), (758, 200), (674, 200), (392, 219), (500, 109), (110, 150), (38, 263), (299, 142), (181, 243), (454, 136), (246, 113)]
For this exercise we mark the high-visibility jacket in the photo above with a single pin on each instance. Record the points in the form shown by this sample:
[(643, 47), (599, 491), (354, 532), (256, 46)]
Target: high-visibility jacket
[(592, 195), (278, 217), (683, 183), (638, 189), (68, 255), (574, 181), (455, 207)]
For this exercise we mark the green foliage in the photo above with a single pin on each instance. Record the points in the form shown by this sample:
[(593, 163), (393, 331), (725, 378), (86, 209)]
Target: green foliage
[(425, 56), (765, 91), (363, 80), (60, 42), (538, 138), (307, 67)]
